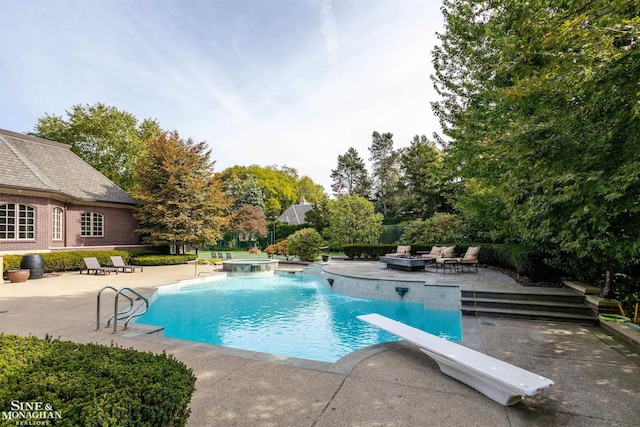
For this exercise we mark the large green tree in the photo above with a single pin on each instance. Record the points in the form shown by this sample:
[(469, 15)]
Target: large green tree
[(425, 183), (385, 172), (540, 103), (108, 139), (352, 219), (350, 176), (181, 202)]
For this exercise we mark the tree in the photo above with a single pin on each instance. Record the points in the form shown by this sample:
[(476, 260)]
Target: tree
[(350, 176), (108, 139), (280, 186), (386, 171), (249, 222), (439, 229), (181, 202), (305, 244), (540, 104), (425, 180), (352, 219)]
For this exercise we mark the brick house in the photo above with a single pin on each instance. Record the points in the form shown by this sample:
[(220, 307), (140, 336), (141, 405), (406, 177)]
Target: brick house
[(50, 199)]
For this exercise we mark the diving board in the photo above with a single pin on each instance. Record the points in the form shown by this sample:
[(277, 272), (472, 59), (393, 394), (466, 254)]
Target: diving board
[(505, 383)]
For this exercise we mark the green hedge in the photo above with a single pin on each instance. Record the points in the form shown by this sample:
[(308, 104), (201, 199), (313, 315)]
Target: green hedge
[(162, 259), (367, 251), (73, 260), (94, 385)]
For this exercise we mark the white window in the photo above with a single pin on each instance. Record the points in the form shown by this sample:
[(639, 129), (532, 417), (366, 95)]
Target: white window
[(91, 224), (56, 224), (17, 222)]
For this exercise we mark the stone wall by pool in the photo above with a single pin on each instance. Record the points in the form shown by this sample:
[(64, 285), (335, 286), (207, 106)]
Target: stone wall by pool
[(434, 297)]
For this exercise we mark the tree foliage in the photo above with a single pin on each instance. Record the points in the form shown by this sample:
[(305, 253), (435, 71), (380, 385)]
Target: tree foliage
[(350, 176), (352, 219), (425, 182), (385, 172), (180, 200), (540, 102), (249, 222), (441, 228), (305, 244), (280, 186), (108, 139)]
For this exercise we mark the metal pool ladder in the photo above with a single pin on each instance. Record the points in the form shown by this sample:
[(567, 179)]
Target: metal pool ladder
[(127, 313)]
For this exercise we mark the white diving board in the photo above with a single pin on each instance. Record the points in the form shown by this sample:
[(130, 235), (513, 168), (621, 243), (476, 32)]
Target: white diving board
[(505, 383)]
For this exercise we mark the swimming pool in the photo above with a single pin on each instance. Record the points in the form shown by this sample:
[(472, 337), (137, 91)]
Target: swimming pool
[(288, 315)]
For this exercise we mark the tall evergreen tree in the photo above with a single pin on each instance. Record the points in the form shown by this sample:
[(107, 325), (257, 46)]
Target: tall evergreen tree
[(425, 181), (385, 173), (181, 202), (350, 176)]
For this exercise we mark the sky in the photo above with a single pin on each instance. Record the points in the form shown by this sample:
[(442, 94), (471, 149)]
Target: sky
[(264, 82)]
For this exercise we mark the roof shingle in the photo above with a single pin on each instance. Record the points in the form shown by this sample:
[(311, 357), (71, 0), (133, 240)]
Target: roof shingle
[(31, 163)]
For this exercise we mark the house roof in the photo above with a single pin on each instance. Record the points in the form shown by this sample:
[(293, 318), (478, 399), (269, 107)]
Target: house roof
[(36, 164), (295, 214)]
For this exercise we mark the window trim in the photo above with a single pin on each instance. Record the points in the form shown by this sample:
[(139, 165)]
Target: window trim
[(94, 227), (18, 228), (57, 224)]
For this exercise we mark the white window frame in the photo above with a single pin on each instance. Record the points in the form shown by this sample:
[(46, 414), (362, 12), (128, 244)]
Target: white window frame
[(17, 222), (91, 224), (56, 224)]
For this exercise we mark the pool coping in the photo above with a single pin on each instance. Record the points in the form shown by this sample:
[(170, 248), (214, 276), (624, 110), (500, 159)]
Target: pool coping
[(154, 333)]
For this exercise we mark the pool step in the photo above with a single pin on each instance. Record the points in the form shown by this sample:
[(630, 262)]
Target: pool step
[(559, 305)]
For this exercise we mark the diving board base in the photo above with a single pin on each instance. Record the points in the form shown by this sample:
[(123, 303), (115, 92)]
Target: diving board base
[(500, 381), (492, 390)]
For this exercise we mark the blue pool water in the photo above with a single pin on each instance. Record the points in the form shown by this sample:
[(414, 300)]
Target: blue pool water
[(289, 315)]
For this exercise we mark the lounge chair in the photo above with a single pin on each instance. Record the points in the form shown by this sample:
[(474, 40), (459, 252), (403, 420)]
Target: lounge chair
[(228, 255), (436, 252), (92, 264), (470, 258), (446, 259), (118, 264), (503, 382), (401, 250), (220, 256)]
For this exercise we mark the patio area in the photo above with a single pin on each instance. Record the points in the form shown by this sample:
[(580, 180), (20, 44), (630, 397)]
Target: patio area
[(597, 375)]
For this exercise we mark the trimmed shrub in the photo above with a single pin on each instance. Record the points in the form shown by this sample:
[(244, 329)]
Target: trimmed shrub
[(72, 260), (367, 251), (278, 248), (90, 384), (305, 244), (162, 259)]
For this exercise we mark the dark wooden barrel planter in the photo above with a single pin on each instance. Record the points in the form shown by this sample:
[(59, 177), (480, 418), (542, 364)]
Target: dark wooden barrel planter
[(35, 264)]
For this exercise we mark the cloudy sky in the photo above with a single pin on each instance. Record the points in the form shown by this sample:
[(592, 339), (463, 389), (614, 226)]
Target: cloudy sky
[(266, 82)]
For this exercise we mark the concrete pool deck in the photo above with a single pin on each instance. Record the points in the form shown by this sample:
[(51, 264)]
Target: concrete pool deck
[(597, 375)]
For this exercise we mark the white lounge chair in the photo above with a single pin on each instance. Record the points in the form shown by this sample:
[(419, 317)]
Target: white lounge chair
[(505, 383)]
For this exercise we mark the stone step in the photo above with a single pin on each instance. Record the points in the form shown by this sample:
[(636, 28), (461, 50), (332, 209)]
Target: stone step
[(533, 294), (520, 304), (553, 316)]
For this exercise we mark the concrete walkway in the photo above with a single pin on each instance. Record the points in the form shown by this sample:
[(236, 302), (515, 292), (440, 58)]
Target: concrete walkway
[(597, 375)]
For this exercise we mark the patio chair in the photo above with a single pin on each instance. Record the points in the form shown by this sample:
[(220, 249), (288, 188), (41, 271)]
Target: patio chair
[(220, 255), (92, 264), (436, 252), (118, 263), (228, 255), (470, 258), (401, 250), (446, 259)]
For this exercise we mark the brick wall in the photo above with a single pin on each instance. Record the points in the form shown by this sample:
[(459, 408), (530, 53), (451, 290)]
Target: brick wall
[(119, 226)]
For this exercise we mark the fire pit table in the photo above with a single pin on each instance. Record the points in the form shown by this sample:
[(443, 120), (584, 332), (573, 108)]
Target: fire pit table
[(405, 263)]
